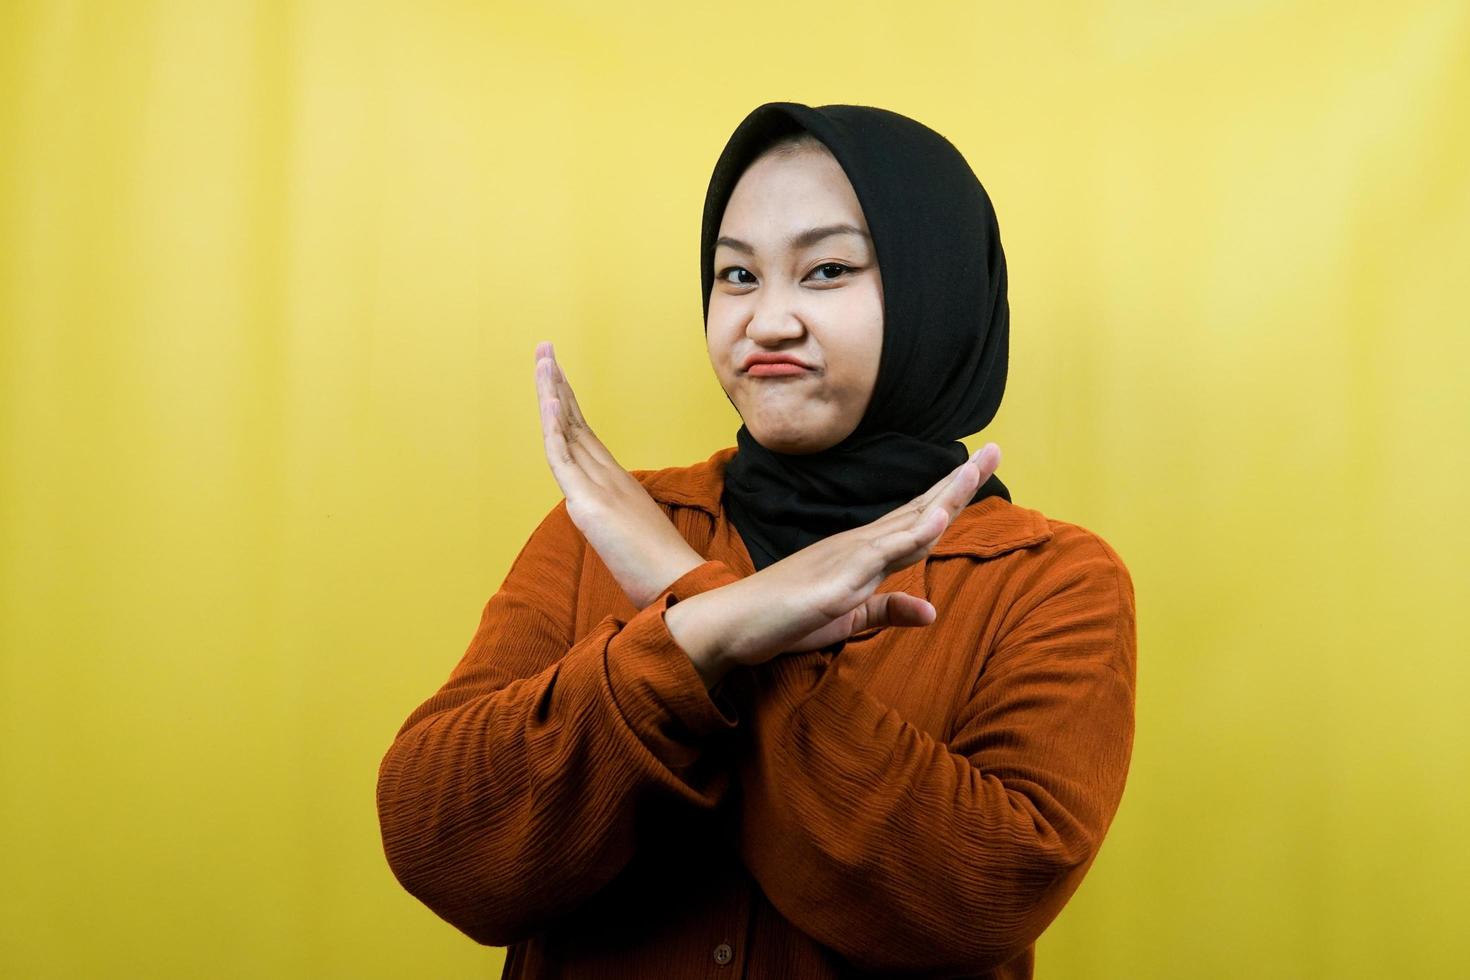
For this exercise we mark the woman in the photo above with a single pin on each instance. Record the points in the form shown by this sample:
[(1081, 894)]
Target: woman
[(827, 703)]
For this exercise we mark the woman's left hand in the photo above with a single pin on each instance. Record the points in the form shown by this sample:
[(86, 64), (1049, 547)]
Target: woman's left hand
[(628, 529)]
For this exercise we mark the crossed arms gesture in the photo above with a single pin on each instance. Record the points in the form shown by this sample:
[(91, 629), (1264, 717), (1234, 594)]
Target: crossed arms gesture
[(822, 594)]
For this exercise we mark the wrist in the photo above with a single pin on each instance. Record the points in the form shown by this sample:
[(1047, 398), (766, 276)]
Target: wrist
[(681, 563), (692, 624), (663, 570)]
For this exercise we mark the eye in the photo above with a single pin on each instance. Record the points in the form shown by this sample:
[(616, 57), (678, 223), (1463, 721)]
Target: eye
[(841, 270), (733, 268)]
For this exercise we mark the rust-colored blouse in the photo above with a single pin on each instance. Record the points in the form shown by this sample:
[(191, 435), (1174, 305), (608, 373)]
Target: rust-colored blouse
[(922, 802)]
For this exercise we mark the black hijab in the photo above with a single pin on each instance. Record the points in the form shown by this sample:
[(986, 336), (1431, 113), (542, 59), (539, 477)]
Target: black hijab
[(945, 328)]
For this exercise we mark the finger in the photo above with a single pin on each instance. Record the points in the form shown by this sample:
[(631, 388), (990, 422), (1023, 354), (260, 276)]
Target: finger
[(908, 533), (904, 544), (986, 459), (920, 503), (552, 414), (578, 433), (545, 390), (950, 500), (572, 442), (909, 610), (573, 478), (988, 462), (558, 453), (982, 457), (567, 470), (955, 492), (570, 410), (564, 388), (898, 609)]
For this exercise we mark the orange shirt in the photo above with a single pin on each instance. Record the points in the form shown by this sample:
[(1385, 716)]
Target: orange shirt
[(923, 801)]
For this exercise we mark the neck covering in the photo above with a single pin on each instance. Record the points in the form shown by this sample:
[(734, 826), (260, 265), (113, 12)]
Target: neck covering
[(946, 321)]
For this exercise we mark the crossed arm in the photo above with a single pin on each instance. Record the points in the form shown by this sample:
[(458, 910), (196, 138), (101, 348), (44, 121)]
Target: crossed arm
[(509, 797), (906, 853)]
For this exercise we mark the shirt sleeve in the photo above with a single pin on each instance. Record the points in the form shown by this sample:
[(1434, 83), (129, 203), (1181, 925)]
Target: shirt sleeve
[(904, 853), (509, 797)]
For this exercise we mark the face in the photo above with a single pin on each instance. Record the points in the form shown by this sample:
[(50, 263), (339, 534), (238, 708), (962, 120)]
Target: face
[(789, 284)]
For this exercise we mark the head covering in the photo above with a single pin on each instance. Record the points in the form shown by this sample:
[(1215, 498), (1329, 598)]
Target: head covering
[(945, 328)]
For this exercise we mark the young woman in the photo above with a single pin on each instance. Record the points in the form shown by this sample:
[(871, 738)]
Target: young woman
[(827, 703)]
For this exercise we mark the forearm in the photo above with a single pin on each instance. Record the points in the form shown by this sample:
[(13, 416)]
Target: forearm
[(506, 803), (517, 805)]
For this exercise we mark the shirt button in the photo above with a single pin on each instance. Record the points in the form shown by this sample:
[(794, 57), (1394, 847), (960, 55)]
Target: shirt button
[(723, 954)]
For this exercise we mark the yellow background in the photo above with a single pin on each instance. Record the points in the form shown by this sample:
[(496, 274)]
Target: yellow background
[(271, 280)]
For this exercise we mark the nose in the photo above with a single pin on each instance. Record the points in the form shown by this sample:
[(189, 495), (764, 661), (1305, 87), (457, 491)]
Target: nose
[(774, 318)]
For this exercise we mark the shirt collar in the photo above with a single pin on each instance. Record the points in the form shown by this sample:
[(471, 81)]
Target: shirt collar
[(989, 528)]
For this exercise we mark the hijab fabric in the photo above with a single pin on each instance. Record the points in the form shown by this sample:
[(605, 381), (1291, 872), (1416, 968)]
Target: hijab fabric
[(945, 328)]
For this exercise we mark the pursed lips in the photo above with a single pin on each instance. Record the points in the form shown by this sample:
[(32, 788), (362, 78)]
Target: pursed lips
[(777, 369), (775, 366)]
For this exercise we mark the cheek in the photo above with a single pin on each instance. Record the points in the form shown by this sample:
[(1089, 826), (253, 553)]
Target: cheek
[(715, 318), (861, 347), (720, 336)]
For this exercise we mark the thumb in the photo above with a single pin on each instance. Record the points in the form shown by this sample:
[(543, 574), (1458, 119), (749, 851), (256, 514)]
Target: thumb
[(899, 609)]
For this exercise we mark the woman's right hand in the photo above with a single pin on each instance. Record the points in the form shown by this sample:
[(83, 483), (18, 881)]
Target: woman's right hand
[(625, 526), (826, 592)]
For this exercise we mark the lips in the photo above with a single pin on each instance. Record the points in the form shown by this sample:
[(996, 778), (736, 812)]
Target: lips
[(774, 360), (776, 369)]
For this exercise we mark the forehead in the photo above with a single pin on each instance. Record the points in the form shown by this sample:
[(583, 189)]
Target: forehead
[(789, 191)]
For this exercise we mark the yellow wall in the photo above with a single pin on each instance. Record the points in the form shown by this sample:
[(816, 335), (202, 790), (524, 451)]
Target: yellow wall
[(271, 279)]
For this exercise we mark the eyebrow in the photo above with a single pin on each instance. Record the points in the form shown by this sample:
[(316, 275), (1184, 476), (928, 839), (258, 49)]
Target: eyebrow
[(801, 239)]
